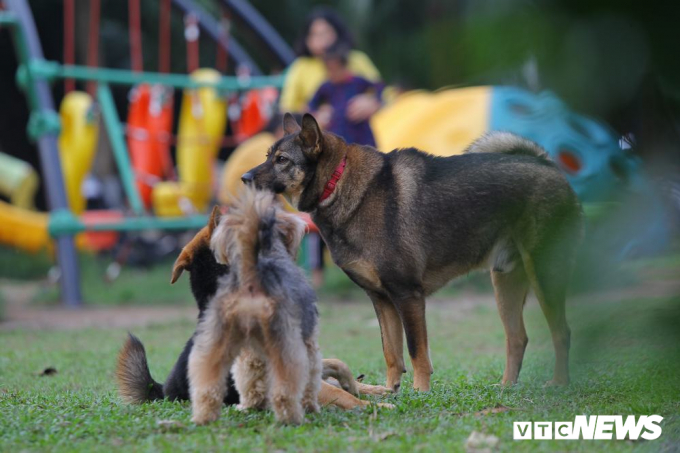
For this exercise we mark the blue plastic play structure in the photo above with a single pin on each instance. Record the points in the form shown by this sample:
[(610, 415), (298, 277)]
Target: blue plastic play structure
[(587, 150)]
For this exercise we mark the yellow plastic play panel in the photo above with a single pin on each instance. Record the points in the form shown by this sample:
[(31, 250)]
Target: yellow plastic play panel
[(77, 144), (442, 123)]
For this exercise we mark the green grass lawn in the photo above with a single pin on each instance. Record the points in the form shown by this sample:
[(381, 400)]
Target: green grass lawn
[(134, 286), (625, 360)]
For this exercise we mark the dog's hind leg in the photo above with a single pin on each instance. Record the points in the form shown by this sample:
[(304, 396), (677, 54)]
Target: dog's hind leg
[(329, 394), (209, 363), (289, 374), (310, 396), (367, 389), (392, 333), (549, 278), (250, 379), (511, 291)]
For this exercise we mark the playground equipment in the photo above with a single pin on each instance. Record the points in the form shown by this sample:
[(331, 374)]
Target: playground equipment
[(202, 121), (585, 149), (18, 181), (77, 144), (254, 110), (149, 128), (24, 229), (444, 123), (34, 76), (21, 226)]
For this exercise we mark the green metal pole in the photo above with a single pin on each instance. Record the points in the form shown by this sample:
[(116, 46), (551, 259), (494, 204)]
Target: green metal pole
[(45, 129), (120, 152), (50, 70), (8, 19), (23, 55), (62, 224)]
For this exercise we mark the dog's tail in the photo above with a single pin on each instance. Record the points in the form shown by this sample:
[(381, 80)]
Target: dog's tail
[(338, 370), (135, 383), (506, 143)]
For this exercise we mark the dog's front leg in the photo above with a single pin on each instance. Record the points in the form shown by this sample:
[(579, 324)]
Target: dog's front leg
[(391, 331), (412, 311)]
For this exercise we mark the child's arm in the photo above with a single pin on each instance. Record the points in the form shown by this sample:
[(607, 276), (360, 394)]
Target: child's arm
[(319, 106), (318, 99), (366, 103), (369, 87)]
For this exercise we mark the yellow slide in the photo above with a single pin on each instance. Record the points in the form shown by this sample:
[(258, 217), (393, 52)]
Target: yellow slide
[(28, 230), (442, 123), (18, 181), (19, 226), (23, 228)]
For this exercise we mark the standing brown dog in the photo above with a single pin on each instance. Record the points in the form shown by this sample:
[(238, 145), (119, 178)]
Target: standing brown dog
[(403, 224)]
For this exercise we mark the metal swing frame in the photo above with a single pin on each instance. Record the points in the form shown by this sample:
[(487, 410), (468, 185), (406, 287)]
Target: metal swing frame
[(34, 76)]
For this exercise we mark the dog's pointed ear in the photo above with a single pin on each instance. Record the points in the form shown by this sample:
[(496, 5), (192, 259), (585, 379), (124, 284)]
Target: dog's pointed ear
[(293, 229), (215, 216), (290, 126), (182, 263), (310, 134)]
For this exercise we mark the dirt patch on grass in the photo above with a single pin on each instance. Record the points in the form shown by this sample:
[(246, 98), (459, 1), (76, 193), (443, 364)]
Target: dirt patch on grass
[(20, 314)]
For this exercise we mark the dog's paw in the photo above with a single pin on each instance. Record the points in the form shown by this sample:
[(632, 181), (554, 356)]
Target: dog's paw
[(311, 407), (203, 418), (394, 387), (290, 418), (386, 405), (365, 403), (556, 383), (287, 411)]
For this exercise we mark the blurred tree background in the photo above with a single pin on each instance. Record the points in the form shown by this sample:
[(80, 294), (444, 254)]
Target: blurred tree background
[(596, 54), (615, 60)]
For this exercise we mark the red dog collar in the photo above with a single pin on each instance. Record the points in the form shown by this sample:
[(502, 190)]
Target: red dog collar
[(335, 177)]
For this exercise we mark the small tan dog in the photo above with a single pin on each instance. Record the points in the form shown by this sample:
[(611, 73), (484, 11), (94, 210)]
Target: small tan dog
[(263, 318)]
